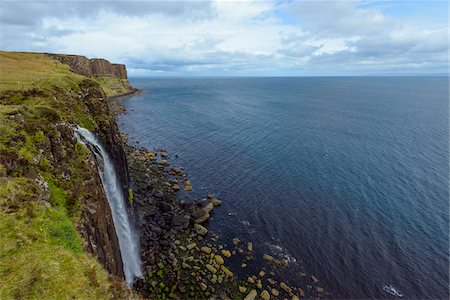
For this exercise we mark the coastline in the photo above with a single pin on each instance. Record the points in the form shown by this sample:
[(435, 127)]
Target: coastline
[(179, 255)]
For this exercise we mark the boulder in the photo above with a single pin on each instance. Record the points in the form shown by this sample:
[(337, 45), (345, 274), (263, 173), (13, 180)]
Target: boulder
[(206, 250), (265, 295), (219, 260), (199, 229), (226, 271), (252, 295)]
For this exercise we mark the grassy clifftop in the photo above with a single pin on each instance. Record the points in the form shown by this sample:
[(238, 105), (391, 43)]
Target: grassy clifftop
[(45, 179)]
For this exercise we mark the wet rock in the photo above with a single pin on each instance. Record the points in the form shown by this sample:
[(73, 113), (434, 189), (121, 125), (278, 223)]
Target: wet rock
[(206, 250), (163, 162), (203, 286), (314, 278), (175, 170), (250, 280), (319, 290), (285, 287), (252, 295), (219, 260), (216, 202), (211, 268), (262, 273), (271, 281), (275, 292), (180, 222), (164, 154), (226, 271), (243, 265), (191, 246), (259, 285), (268, 257), (265, 295), (199, 229), (242, 289), (250, 246), (210, 197), (185, 265), (226, 253), (201, 214), (236, 241), (187, 185), (294, 297)]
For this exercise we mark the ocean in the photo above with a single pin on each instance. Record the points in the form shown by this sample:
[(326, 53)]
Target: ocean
[(345, 177)]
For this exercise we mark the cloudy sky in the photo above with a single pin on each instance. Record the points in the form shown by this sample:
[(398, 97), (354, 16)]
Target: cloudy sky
[(243, 38)]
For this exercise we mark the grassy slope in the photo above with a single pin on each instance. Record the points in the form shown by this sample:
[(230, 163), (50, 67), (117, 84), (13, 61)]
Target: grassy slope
[(41, 253)]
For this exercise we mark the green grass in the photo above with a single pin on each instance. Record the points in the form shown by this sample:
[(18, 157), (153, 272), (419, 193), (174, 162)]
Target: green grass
[(36, 263), (41, 253)]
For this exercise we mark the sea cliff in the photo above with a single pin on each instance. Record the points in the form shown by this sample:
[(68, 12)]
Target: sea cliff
[(55, 221), (57, 234)]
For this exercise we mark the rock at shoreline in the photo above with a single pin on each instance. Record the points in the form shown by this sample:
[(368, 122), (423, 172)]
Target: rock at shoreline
[(187, 185), (268, 257), (226, 253), (216, 202), (199, 229), (252, 295), (219, 260), (249, 246), (206, 250), (226, 271), (265, 295), (200, 211)]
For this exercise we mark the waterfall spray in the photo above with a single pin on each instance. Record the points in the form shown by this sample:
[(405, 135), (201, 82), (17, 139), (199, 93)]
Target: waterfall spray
[(128, 244)]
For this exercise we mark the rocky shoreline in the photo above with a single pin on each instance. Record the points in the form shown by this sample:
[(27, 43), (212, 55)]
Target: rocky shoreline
[(181, 258)]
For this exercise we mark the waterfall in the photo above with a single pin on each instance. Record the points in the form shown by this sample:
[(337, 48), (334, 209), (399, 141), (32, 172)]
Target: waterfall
[(129, 248)]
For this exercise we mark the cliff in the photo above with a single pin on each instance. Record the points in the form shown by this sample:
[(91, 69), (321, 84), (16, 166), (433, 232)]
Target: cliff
[(54, 215), (91, 67)]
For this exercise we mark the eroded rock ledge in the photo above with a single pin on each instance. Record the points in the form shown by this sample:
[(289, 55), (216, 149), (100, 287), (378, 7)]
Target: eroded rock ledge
[(90, 67)]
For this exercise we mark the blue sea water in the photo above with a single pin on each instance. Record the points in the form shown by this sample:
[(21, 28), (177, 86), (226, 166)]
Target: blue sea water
[(347, 177)]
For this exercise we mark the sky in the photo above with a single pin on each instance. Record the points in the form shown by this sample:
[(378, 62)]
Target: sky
[(238, 38)]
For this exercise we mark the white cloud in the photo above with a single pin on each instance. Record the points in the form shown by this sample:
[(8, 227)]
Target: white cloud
[(236, 37)]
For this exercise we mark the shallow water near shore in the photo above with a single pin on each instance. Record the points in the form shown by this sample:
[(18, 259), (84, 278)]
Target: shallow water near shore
[(347, 178)]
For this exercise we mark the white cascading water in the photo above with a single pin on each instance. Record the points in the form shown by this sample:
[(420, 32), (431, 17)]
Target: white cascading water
[(129, 248)]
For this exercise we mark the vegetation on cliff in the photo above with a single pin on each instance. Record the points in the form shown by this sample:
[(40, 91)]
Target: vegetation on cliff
[(48, 180)]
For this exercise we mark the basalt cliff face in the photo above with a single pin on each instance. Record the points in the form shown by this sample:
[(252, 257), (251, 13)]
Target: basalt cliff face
[(53, 208), (91, 67)]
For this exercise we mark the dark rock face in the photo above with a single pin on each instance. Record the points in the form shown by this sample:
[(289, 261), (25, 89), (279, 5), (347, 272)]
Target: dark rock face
[(97, 227), (97, 104), (102, 67), (90, 67), (120, 71)]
